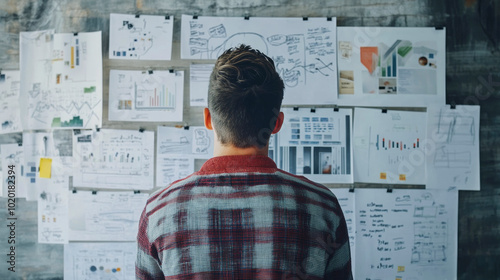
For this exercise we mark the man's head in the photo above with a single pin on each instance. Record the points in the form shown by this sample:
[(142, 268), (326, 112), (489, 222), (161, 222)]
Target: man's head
[(244, 97)]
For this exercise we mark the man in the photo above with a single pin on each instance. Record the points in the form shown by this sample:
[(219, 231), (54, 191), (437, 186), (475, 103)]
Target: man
[(240, 217)]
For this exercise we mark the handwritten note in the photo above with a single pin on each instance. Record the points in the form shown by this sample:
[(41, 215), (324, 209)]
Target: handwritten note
[(411, 234)]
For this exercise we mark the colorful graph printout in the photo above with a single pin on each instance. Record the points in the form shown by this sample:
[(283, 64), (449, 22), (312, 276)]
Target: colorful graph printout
[(390, 66), (155, 96), (62, 80), (389, 147)]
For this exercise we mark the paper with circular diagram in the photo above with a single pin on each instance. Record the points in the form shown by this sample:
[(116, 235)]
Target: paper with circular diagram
[(304, 51)]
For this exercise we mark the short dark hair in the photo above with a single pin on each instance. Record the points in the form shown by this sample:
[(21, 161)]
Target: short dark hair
[(244, 97)]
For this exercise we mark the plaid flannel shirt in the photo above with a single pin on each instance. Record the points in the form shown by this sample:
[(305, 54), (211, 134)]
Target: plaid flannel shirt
[(240, 217)]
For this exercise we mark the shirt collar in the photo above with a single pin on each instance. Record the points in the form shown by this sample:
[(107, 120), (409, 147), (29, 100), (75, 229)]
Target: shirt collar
[(235, 164)]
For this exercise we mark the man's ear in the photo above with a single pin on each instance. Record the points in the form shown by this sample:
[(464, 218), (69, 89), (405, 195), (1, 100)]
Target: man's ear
[(207, 118), (279, 122)]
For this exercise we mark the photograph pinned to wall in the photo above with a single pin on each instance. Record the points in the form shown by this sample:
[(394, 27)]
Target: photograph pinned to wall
[(181, 151), (62, 80), (303, 51), (140, 37), (142, 96), (10, 112), (112, 158), (391, 66), (317, 144), (453, 161), (389, 147)]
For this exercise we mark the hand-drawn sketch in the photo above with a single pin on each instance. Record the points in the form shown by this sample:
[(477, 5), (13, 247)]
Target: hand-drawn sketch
[(62, 80), (389, 147), (304, 51), (118, 159), (454, 160), (389, 66), (317, 144), (10, 112), (53, 210), (411, 234), (430, 235), (146, 95), (103, 260), (177, 150), (142, 37), (105, 216)]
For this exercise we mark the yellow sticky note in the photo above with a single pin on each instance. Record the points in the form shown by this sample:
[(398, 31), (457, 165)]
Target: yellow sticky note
[(402, 177), (45, 167), (401, 268), (383, 175)]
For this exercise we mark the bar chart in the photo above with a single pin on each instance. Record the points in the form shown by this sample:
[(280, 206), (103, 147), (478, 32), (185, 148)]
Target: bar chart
[(154, 98)]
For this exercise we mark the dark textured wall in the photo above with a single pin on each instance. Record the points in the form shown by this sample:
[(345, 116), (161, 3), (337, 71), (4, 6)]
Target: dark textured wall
[(473, 77)]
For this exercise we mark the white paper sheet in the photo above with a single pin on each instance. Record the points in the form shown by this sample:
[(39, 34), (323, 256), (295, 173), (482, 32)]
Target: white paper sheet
[(453, 150), (142, 37), (56, 145), (10, 112), (304, 51), (13, 154), (390, 66), (118, 159), (273, 150), (406, 234), (199, 77), (317, 144), (347, 203), (53, 210), (178, 149), (142, 96), (389, 147), (62, 80), (110, 261), (105, 216), (3, 182)]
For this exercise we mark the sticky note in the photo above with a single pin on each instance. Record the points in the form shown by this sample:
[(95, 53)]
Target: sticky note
[(402, 177), (401, 268), (383, 175), (45, 167)]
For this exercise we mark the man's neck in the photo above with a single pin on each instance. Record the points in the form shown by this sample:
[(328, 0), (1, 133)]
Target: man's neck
[(230, 150)]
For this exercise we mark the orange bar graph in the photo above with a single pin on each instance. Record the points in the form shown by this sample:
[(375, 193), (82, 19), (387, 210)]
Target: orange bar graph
[(72, 57)]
